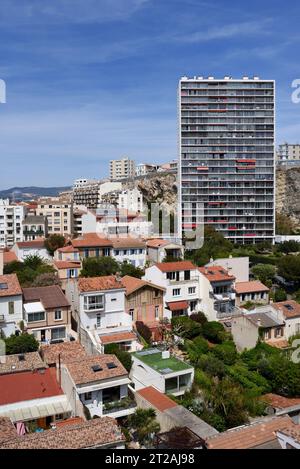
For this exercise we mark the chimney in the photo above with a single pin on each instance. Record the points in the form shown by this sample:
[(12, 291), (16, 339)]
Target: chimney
[(118, 277)]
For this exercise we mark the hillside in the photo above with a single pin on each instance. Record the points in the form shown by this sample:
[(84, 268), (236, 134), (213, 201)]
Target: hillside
[(31, 192), (288, 193)]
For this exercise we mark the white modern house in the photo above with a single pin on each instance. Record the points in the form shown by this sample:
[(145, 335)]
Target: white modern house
[(181, 281), (11, 304), (129, 249), (11, 217), (100, 383), (98, 306), (167, 374), (131, 200), (24, 249)]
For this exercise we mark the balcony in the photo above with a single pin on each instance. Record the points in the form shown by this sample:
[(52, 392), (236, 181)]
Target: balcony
[(182, 280)]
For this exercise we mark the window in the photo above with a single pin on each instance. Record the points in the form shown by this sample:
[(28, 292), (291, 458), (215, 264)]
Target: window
[(93, 302), (87, 396), (11, 307), (58, 315), (58, 333), (98, 320), (192, 290), (131, 312), (72, 273), (187, 275), (156, 312), (193, 305), (33, 317), (278, 332), (176, 291), (171, 275)]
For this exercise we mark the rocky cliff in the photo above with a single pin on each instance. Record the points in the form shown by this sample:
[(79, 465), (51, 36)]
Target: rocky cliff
[(288, 193)]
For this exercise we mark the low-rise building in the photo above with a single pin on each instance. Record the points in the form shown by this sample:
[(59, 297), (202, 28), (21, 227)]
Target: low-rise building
[(67, 263), (258, 435), (290, 312), (102, 433), (166, 373), (33, 397), (262, 323), (11, 304), (47, 313), (253, 291), (92, 245), (159, 249), (21, 362), (24, 249), (236, 266), (98, 306), (181, 282), (129, 249), (34, 226), (131, 200), (142, 169), (220, 300), (63, 352), (144, 301), (59, 214), (280, 405), (101, 384)]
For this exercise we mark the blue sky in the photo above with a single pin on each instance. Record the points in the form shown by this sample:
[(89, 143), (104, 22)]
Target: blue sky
[(91, 80)]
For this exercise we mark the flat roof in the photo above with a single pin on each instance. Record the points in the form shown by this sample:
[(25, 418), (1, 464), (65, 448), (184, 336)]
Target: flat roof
[(153, 358)]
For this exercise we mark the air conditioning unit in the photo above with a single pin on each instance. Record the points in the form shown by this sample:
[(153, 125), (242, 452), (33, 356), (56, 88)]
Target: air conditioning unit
[(165, 354)]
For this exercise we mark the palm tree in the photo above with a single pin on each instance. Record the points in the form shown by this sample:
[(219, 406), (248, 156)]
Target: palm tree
[(143, 423)]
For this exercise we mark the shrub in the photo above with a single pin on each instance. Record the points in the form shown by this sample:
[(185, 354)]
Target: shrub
[(144, 331), (185, 327), (21, 344), (122, 355), (199, 317), (226, 352), (212, 365), (280, 295), (213, 331)]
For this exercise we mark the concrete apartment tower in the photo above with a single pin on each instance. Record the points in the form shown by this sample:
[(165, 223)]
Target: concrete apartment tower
[(227, 156), (121, 169)]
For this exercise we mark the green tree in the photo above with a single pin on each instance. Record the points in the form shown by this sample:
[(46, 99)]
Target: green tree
[(226, 352), (289, 268), (46, 279), (284, 224), (122, 355), (143, 423), (264, 272), (22, 343), (288, 246), (213, 331), (185, 327), (54, 242), (33, 262), (99, 267), (126, 268), (280, 295), (214, 246)]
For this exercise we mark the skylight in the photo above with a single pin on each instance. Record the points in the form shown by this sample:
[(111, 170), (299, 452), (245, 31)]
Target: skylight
[(3, 286), (111, 365), (96, 368)]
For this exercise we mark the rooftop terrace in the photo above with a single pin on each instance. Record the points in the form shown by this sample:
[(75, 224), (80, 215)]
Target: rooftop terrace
[(153, 358)]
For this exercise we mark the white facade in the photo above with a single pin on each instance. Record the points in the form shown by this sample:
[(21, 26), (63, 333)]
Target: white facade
[(26, 249), (174, 382), (236, 266), (288, 151), (134, 227), (143, 168), (11, 313), (131, 200), (11, 217), (109, 186), (134, 256), (178, 287)]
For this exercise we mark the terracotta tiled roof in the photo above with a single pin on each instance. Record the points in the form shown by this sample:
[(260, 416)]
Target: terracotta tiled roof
[(292, 431), (50, 297), (278, 343), (132, 284), (68, 351), (68, 249), (28, 385), (216, 273), (175, 266), (91, 240), (117, 337), (70, 421), (290, 308), (35, 244), (82, 372), (158, 400), (280, 402), (67, 264), (249, 436), (157, 243), (22, 362), (108, 282), (128, 242), (9, 256), (177, 305), (91, 434), (7, 429), (9, 285), (250, 287)]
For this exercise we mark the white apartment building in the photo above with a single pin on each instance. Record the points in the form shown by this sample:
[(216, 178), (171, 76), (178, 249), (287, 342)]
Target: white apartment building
[(98, 307), (11, 217), (143, 168), (121, 169), (59, 214), (181, 281), (288, 152), (131, 200), (11, 304)]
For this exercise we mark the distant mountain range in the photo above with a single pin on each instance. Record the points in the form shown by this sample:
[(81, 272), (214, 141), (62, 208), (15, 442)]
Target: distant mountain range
[(29, 193)]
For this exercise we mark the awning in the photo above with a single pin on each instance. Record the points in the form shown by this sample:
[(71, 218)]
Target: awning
[(35, 409), (178, 305), (117, 337)]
